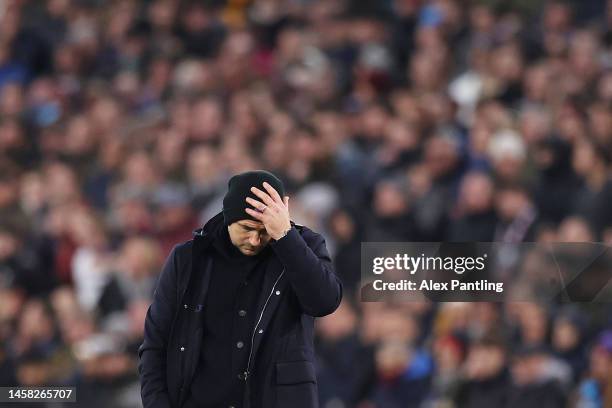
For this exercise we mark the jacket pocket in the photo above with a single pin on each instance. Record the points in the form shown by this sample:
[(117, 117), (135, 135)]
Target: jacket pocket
[(296, 385)]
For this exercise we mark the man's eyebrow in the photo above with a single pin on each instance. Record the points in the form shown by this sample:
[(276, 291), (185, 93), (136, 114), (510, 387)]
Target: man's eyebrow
[(250, 226)]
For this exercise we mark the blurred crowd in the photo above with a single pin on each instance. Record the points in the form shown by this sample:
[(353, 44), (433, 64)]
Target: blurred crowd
[(392, 120)]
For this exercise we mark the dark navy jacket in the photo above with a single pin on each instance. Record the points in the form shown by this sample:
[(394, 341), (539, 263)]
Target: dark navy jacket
[(299, 286)]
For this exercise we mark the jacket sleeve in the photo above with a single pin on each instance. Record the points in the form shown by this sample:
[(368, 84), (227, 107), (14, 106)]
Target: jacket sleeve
[(152, 352), (310, 272)]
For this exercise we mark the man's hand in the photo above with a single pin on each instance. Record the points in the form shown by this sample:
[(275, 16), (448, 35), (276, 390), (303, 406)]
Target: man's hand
[(271, 210)]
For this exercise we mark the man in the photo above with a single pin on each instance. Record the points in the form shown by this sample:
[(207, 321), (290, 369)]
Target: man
[(231, 323)]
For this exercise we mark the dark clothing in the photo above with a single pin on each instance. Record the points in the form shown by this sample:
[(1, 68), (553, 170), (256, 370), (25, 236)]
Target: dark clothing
[(348, 266), (474, 227), (28, 267), (229, 313), (8, 371), (594, 206), (490, 392), (390, 229), (120, 290), (557, 183), (544, 395), (346, 368), (203, 43), (298, 284)]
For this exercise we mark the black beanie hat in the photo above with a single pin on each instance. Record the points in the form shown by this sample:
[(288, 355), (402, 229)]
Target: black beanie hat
[(239, 188)]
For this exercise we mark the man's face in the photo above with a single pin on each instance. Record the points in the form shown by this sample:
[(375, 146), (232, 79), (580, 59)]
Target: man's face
[(249, 236)]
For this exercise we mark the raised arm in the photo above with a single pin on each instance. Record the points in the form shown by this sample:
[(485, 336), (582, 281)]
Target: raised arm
[(309, 269), (306, 260)]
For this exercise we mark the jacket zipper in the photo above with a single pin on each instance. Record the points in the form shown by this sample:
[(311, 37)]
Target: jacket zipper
[(247, 372)]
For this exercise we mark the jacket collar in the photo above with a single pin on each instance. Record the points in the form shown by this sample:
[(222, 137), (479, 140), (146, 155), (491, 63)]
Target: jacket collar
[(205, 234)]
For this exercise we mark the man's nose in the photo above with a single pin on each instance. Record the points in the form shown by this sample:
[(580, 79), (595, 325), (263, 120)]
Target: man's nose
[(255, 238)]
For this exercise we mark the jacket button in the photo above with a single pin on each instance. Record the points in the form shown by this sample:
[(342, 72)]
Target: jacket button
[(240, 344), (185, 306), (242, 313), (278, 292), (260, 331), (182, 348)]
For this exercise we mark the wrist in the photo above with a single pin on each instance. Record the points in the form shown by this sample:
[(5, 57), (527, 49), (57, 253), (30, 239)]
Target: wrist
[(283, 233)]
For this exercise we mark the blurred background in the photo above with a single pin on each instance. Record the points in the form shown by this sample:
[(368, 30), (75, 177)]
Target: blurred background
[(388, 120)]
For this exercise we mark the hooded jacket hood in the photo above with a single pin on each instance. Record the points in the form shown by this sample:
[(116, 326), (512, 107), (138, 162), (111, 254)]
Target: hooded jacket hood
[(209, 227)]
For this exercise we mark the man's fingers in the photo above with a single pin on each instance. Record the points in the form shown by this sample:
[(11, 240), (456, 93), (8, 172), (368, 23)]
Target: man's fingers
[(273, 193), (255, 214), (263, 196), (257, 204)]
